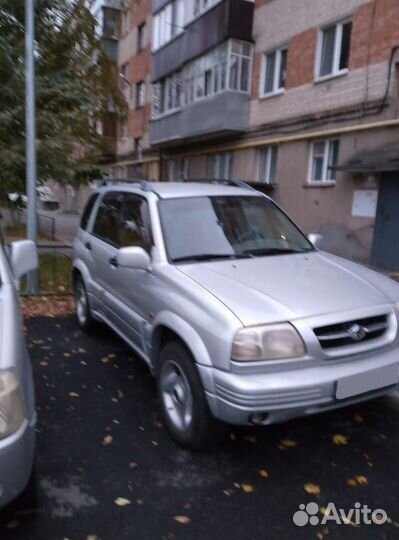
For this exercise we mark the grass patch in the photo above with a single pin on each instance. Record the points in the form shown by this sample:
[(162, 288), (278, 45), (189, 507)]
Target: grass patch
[(54, 274), (17, 231)]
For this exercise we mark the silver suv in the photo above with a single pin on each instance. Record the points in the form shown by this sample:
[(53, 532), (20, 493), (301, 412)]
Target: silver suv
[(237, 314)]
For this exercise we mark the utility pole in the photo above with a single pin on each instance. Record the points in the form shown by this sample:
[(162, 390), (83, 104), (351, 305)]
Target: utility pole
[(30, 118)]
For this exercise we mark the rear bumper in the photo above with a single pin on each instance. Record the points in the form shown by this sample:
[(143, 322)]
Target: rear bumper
[(16, 460), (280, 396)]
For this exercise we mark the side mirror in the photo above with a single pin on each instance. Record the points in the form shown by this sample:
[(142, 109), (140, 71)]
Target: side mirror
[(24, 258), (133, 257), (315, 239)]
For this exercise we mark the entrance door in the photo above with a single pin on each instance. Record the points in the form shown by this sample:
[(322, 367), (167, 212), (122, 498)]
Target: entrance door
[(385, 251)]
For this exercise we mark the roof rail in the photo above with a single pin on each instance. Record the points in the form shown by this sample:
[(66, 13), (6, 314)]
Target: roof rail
[(222, 181), (144, 184)]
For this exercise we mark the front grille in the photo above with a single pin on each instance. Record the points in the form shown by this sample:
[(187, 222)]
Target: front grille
[(352, 332)]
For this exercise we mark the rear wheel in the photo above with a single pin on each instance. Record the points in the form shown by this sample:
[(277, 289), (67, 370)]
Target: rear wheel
[(183, 401), (83, 314)]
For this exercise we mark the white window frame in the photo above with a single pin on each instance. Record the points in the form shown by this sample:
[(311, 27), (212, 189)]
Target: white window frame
[(164, 30), (336, 71), (266, 153), (228, 165), (140, 95), (325, 179), (276, 90), (141, 36)]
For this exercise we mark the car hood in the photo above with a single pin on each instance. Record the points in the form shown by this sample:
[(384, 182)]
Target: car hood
[(286, 287)]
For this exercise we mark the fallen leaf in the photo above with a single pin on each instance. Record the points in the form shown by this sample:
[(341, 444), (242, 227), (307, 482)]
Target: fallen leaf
[(263, 473), (67, 354), (288, 443), (233, 436), (351, 482), (133, 465), (184, 520), (340, 440), (73, 394), (358, 418), (44, 363), (251, 439), (361, 480), (247, 488), (120, 501), (108, 440), (105, 360), (313, 489)]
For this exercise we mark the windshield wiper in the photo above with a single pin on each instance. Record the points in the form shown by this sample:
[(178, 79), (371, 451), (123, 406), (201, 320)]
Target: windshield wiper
[(273, 251), (211, 257)]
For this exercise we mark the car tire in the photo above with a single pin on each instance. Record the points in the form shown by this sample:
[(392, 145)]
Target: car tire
[(83, 313), (184, 406)]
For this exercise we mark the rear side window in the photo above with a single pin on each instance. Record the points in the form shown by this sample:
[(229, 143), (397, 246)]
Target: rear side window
[(87, 211), (106, 226), (134, 225)]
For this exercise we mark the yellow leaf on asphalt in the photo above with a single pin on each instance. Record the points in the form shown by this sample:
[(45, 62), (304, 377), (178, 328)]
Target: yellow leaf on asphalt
[(351, 482), (288, 443), (313, 489), (358, 418), (73, 394), (361, 480), (340, 440), (183, 520), (263, 473), (247, 488), (120, 501), (108, 440), (67, 354)]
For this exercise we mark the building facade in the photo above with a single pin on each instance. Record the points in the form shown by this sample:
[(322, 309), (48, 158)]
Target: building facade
[(299, 98)]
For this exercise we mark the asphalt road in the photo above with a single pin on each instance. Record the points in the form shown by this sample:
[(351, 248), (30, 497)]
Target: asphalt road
[(107, 469)]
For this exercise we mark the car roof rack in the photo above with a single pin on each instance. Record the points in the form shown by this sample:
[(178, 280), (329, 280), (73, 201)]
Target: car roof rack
[(145, 185), (221, 181)]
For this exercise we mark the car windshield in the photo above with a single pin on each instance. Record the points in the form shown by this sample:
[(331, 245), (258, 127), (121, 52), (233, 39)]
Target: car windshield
[(206, 228)]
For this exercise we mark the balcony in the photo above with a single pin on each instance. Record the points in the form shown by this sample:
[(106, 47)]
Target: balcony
[(223, 114), (227, 19)]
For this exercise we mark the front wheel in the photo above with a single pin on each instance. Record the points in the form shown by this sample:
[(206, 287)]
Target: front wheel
[(83, 314), (183, 401)]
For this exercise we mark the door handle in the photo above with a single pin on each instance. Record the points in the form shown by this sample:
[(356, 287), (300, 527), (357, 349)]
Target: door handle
[(88, 246), (113, 262)]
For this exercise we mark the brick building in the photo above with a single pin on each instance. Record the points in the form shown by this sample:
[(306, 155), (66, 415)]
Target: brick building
[(299, 97)]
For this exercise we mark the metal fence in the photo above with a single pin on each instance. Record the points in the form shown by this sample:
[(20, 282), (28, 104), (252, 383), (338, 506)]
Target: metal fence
[(46, 224), (55, 270)]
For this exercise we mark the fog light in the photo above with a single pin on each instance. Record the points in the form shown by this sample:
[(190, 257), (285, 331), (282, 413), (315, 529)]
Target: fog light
[(258, 418)]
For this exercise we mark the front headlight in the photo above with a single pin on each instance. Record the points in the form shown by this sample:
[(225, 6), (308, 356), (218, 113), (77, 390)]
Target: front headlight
[(12, 411), (273, 342)]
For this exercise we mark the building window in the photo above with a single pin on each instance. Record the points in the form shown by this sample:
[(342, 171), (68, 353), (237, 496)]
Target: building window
[(240, 66), (323, 159), (138, 148), (268, 165), (195, 8), (176, 170), (141, 37), (125, 22), (167, 95), (334, 49), (274, 70), (140, 94), (124, 128), (225, 67), (168, 23), (220, 165)]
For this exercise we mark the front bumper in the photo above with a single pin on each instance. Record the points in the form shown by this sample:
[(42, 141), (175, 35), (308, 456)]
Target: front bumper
[(16, 461), (282, 395)]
